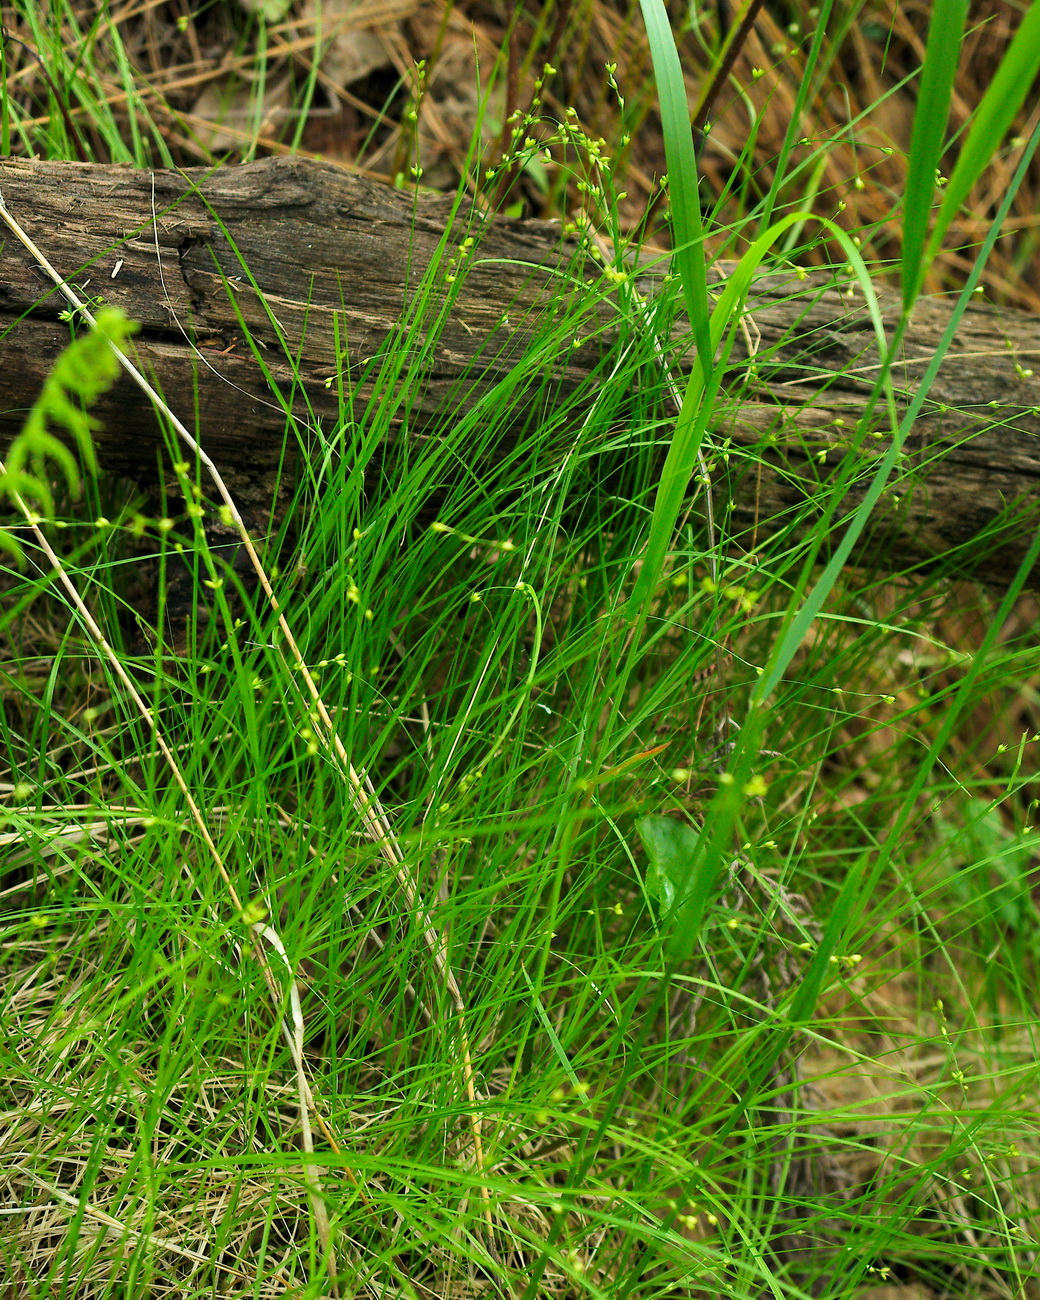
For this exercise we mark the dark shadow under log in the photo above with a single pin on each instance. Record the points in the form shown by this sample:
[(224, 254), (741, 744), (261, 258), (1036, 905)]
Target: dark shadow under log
[(321, 266)]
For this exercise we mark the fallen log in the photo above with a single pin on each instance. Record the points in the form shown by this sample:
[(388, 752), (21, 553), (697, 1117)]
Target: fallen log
[(321, 265)]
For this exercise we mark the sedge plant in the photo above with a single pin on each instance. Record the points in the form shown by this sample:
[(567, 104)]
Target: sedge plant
[(744, 954)]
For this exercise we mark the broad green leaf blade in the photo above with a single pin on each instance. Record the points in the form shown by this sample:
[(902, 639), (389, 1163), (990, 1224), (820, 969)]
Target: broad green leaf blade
[(684, 196), (1016, 74), (945, 33), (671, 845)]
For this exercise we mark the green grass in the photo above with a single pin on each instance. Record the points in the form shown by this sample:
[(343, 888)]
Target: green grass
[(807, 1069)]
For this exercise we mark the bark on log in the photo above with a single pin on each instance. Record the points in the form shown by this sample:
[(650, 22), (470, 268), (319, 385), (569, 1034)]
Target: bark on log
[(336, 257)]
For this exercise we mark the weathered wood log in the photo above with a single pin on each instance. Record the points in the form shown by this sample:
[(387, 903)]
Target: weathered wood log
[(321, 265)]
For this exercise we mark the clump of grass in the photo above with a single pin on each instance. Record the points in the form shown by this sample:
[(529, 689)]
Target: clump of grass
[(790, 1052)]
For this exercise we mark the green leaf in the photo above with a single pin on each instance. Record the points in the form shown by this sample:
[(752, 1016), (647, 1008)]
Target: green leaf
[(702, 388), (86, 369), (671, 846), (683, 189), (1001, 102), (942, 53)]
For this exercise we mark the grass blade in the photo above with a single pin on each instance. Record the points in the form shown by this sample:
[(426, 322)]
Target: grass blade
[(942, 53), (699, 395), (1016, 74), (687, 228)]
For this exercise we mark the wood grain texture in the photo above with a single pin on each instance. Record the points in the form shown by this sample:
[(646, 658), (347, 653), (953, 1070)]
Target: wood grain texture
[(333, 256)]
